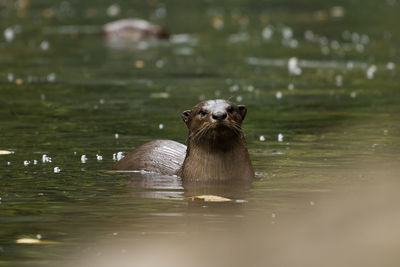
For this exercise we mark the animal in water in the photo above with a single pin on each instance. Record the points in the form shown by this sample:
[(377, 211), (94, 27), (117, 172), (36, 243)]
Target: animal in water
[(216, 148), (134, 30)]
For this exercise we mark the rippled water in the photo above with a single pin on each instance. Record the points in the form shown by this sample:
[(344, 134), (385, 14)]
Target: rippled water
[(315, 129)]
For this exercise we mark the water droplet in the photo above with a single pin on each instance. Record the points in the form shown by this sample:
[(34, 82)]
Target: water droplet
[(293, 66), (339, 80), (120, 155), (10, 77), (371, 72), (44, 45), (308, 35), (83, 158), (46, 159), (160, 63), (51, 77), (390, 66), (287, 32), (346, 35), (325, 50), (335, 45), (355, 37), (267, 33), (234, 88), (364, 39), (113, 10), (280, 137), (360, 48), (9, 34), (293, 43), (250, 88), (161, 12), (350, 65)]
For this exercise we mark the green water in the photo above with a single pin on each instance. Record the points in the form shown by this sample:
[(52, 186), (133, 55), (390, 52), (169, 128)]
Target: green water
[(66, 92)]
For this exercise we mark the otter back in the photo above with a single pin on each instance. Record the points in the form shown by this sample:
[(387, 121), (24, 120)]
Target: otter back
[(159, 156)]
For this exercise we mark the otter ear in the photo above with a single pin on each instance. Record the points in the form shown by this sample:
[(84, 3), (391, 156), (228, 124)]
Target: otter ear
[(186, 115), (242, 111)]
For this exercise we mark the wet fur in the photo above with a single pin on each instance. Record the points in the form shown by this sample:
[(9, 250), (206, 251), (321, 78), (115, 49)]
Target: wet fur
[(216, 150)]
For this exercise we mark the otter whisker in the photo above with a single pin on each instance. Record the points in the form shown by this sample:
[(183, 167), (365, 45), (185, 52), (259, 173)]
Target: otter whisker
[(236, 128), (197, 135)]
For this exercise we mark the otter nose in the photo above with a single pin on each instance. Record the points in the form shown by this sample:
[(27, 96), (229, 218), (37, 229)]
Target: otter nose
[(219, 116)]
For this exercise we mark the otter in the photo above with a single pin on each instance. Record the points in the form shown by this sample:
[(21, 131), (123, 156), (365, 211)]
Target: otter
[(133, 29), (216, 148)]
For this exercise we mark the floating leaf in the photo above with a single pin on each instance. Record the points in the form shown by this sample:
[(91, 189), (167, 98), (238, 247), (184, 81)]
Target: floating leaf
[(28, 241), (35, 241), (5, 152), (212, 198)]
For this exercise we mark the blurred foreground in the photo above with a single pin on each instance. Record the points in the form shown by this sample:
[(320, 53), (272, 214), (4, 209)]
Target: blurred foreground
[(354, 228)]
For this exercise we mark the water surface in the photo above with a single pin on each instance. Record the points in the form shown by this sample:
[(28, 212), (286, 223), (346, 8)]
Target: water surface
[(67, 92)]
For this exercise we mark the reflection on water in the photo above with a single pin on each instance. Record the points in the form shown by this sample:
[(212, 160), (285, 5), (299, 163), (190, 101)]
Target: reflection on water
[(66, 92)]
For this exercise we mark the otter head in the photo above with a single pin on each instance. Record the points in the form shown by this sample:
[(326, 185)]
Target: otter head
[(216, 120)]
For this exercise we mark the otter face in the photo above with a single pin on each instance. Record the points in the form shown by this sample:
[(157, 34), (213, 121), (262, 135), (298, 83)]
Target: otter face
[(215, 118)]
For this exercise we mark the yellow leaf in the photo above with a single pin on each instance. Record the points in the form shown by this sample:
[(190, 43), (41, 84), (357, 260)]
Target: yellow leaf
[(35, 241), (28, 241), (212, 198)]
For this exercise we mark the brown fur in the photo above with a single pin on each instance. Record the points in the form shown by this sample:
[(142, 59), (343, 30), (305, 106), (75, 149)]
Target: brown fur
[(158, 156), (216, 150)]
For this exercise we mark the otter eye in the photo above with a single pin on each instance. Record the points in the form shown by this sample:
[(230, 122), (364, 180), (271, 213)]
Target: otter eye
[(230, 109), (203, 112)]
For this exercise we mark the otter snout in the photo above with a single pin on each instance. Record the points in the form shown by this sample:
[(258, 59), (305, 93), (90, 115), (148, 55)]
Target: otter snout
[(219, 116)]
